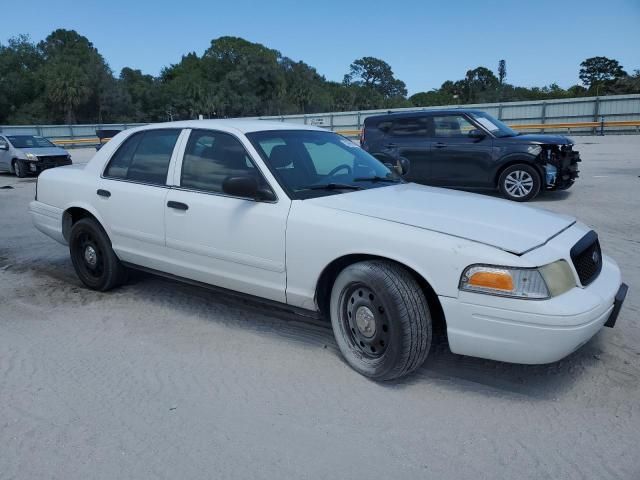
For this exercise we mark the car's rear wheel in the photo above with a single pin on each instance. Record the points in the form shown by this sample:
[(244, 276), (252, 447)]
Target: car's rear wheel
[(93, 259), (19, 168), (380, 319), (520, 182)]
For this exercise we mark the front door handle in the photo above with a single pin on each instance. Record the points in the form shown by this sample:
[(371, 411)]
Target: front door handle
[(177, 205), (391, 145), (440, 145), (103, 193)]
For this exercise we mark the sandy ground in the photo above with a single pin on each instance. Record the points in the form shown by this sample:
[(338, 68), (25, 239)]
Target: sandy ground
[(163, 380)]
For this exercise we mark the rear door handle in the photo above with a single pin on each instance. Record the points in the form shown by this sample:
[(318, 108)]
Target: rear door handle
[(391, 145), (440, 145), (103, 193), (177, 205)]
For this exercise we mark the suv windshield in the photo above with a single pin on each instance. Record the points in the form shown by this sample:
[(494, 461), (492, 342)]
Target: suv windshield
[(29, 141), (310, 163), (496, 127)]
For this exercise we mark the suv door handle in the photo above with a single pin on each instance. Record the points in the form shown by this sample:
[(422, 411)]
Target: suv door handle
[(103, 193), (391, 145), (439, 145), (177, 205)]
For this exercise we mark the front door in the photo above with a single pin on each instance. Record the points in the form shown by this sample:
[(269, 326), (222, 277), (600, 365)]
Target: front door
[(231, 242), (457, 159), (5, 158), (131, 196)]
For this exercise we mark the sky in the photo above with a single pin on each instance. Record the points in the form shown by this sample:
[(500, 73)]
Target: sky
[(425, 42)]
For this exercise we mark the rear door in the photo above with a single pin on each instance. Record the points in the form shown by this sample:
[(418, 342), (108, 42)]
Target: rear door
[(407, 137), (131, 196), (232, 242), (456, 158)]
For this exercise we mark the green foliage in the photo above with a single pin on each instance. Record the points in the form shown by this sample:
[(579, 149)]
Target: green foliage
[(65, 79)]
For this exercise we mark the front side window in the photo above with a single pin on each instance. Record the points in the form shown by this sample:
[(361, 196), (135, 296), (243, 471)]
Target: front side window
[(452, 126), (311, 163), (495, 126), (144, 157), (212, 157)]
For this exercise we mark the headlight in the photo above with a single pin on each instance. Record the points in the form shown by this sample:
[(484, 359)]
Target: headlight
[(31, 156), (531, 283)]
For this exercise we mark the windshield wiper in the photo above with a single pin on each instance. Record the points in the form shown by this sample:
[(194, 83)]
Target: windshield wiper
[(333, 186), (377, 178)]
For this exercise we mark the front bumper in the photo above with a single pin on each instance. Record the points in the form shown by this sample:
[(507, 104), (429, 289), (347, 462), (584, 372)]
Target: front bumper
[(533, 331), (37, 166)]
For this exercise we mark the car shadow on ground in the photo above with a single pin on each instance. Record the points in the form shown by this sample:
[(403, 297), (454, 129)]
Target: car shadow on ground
[(444, 368)]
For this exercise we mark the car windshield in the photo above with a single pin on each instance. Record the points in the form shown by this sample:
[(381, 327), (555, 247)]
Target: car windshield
[(29, 141), (496, 127), (311, 163)]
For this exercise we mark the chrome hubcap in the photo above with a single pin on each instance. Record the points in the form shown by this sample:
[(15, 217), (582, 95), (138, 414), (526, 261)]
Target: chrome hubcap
[(90, 256), (365, 321), (519, 183)]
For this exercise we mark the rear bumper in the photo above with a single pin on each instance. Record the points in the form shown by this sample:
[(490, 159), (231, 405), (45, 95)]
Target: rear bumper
[(529, 331), (48, 220)]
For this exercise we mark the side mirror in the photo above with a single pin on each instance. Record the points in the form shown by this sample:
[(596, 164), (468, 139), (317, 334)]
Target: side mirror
[(477, 134), (401, 167), (4, 146), (246, 187)]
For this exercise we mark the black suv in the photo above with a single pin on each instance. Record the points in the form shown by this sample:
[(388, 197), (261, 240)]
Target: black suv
[(470, 149)]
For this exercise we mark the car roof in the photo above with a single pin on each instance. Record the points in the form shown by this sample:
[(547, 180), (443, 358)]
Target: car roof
[(232, 125), (419, 113)]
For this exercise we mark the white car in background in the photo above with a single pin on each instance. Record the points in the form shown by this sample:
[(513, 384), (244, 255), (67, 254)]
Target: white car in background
[(303, 218)]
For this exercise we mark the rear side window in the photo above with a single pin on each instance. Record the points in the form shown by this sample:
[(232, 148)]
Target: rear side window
[(412, 126), (144, 157)]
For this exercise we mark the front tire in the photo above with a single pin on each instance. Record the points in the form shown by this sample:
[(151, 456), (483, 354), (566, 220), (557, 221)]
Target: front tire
[(380, 319), (520, 182), (19, 168), (93, 259)]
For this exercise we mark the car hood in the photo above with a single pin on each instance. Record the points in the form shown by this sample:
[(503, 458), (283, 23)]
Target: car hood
[(541, 139), (44, 151), (500, 223)]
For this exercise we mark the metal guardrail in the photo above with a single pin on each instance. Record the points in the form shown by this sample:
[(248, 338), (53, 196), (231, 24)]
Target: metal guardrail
[(584, 115)]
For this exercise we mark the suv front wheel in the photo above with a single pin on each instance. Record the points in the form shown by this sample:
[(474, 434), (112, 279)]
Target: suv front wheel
[(520, 182)]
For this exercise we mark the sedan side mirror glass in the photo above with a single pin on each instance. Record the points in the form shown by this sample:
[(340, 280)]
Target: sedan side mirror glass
[(246, 187), (4, 146), (401, 166)]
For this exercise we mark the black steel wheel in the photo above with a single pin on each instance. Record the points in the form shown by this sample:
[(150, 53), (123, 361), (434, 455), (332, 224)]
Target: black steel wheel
[(93, 259), (380, 319)]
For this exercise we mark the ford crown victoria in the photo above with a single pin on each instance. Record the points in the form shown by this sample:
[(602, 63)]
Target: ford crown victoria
[(303, 218)]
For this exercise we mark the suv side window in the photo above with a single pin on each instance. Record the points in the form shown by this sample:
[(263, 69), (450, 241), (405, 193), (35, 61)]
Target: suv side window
[(409, 126), (451, 126), (144, 157), (211, 157)]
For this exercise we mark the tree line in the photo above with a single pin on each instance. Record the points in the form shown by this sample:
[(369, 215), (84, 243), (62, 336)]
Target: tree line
[(64, 79)]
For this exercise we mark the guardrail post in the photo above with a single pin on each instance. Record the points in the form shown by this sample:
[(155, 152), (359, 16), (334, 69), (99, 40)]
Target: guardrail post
[(543, 114), (596, 112), (602, 125), (305, 119), (499, 111), (359, 121), (331, 121)]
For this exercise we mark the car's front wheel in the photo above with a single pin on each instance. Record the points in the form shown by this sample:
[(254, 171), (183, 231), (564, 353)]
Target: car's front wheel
[(94, 261), (380, 319), (19, 168), (520, 182)]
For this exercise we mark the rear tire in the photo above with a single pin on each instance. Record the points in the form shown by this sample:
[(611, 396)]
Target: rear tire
[(380, 319), (19, 168), (93, 259), (519, 182)]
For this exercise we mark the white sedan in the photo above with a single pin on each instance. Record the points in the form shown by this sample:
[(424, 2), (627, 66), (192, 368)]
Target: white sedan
[(303, 218)]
